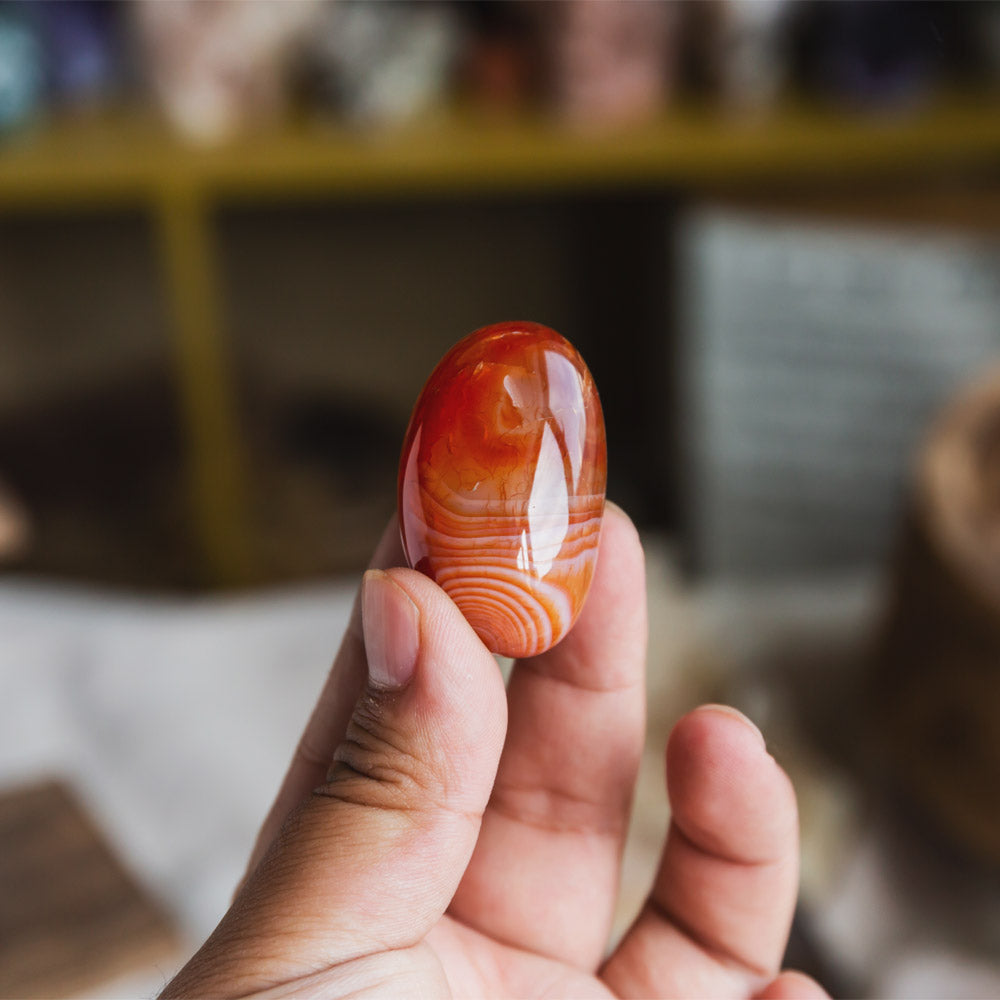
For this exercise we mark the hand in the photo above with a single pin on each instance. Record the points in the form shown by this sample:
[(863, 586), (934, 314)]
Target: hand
[(466, 840)]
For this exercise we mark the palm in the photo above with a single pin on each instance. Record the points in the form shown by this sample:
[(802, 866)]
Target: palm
[(458, 961), (496, 873), (480, 966)]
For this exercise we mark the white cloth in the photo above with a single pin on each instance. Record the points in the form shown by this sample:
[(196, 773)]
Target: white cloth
[(172, 718)]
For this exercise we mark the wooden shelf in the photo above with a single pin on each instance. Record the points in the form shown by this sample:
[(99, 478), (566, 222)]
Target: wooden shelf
[(134, 159), (125, 157)]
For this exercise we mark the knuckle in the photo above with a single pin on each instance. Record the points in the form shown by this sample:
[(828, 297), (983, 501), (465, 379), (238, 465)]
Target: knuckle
[(379, 765)]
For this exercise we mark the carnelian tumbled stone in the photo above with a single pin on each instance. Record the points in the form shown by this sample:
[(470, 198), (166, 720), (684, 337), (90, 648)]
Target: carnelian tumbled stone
[(501, 484)]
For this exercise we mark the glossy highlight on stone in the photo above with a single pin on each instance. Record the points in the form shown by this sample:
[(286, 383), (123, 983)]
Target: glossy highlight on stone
[(501, 484)]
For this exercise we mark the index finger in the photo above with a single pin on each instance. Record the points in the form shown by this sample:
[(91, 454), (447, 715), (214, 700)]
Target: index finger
[(545, 872), (328, 721)]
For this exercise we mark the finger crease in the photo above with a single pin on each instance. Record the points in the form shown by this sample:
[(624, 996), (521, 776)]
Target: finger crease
[(566, 677), (339, 792), (717, 855), (711, 947), (553, 818)]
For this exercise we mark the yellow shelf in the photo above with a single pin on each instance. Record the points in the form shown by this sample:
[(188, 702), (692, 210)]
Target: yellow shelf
[(134, 156)]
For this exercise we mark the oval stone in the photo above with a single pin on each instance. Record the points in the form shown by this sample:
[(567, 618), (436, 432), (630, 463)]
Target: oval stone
[(501, 484)]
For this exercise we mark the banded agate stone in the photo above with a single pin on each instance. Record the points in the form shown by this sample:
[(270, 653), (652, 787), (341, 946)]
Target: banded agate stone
[(501, 484)]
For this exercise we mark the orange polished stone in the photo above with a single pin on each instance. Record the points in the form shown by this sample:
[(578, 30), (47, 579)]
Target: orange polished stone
[(501, 484)]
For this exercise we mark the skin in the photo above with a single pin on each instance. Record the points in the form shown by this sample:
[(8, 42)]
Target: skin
[(466, 839)]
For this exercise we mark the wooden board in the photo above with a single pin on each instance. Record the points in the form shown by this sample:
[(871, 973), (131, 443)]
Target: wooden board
[(71, 915)]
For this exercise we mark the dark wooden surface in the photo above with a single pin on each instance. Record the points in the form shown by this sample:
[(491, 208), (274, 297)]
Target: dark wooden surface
[(71, 915)]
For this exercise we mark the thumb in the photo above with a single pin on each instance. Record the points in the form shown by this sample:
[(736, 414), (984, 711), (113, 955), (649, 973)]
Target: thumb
[(370, 861)]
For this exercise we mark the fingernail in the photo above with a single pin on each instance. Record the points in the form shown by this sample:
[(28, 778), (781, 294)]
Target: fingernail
[(735, 713), (391, 623)]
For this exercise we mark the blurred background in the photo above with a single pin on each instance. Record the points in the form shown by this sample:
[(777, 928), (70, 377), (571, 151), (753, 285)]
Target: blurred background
[(235, 238)]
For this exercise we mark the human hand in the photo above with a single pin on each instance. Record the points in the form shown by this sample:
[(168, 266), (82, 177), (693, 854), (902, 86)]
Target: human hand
[(466, 840)]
